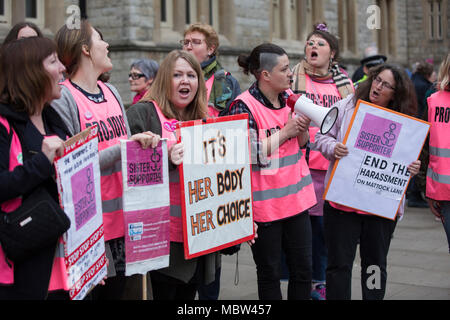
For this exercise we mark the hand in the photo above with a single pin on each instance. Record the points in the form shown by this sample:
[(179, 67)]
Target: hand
[(176, 153), (414, 168), (303, 123), (146, 139), (252, 242), (295, 126), (52, 146), (340, 150), (435, 207)]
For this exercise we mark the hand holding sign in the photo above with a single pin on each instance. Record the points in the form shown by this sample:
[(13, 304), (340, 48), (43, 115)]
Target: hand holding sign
[(340, 150), (146, 139)]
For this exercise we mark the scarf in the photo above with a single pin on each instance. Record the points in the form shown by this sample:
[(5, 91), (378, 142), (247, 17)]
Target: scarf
[(342, 82)]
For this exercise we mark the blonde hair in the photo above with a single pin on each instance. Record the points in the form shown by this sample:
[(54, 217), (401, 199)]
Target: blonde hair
[(211, 37), (161, 89), (443, 82)]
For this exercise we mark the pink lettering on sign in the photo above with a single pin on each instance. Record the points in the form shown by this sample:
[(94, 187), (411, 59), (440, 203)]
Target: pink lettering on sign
[(144, 167), (378, 135), (83, 196)]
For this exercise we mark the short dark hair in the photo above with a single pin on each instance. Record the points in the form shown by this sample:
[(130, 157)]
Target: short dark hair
[(24, 82), (253, 63), (404, 100)]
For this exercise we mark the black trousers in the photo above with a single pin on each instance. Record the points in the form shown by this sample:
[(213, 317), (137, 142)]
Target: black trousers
[(343, 230), (293, 237)]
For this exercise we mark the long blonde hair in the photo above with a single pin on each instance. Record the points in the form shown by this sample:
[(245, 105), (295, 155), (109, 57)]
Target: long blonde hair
[(443, 82), (161, 89)]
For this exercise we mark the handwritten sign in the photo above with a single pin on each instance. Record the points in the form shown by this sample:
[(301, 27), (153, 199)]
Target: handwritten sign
[(78, 178), (215, 184), (146, 203), (382, 144)]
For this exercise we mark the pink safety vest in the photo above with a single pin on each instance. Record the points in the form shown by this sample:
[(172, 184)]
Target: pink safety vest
[(438, 175), (285, 188), (326, 95), (58, 278), (212, 111), (176, 224), (109, 118)]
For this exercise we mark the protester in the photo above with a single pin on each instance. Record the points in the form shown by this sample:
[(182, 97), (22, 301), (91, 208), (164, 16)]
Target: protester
[(142, 74), (282, 189), (222, 88), (390, 87), (85, 102), (31, 135), (177, 94), (22, 30), (319, 77), (436, 150)]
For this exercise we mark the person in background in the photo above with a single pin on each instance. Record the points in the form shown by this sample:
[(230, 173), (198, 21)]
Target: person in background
[(281, 182), (23, 30), (31, 135), (222, 88), (142, 74), (319, 77), (87, 101), (390, 87), (371, 59), (177, 94)]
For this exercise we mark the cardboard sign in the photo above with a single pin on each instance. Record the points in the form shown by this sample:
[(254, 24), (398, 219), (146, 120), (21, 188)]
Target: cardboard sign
[(382, 143), (215, 180), (146, 206), (78, 178)]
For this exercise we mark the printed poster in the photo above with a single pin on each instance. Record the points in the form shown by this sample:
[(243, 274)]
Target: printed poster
[(382, 143), (146, 204), (215, 181), (78, 177)]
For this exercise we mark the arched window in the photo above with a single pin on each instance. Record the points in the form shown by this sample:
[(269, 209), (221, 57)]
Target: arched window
[(436, 16)]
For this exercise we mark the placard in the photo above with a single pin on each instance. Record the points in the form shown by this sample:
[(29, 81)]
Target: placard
[(78, 178), (382, 143), (146, 206), (215, 180)]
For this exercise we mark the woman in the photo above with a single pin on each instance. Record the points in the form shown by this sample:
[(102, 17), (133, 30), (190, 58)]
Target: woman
[(31, 135), (23, 30), (318, 76), (141, 77), (177, 94), (222, 88), (282, 190), (389, 87), (437, 188), (87, 101)]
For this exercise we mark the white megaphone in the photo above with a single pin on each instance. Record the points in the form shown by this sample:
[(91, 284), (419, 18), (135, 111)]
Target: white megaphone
[(324, 118)]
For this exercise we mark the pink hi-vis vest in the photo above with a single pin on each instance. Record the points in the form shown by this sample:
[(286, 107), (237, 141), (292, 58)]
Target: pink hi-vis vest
[(326, 95), (58, 278), (212, 112), (438, 175), (111, 129), (176, 223), (285, 188)]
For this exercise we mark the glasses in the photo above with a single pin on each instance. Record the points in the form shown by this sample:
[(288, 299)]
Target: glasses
[(311, 43), (194, 42), (136, 76), (384, 84)]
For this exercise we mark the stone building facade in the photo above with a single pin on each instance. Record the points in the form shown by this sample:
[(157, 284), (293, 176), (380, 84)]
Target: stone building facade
[(405, 30)]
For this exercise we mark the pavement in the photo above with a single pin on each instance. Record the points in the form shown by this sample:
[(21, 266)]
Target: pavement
[(418, 264)]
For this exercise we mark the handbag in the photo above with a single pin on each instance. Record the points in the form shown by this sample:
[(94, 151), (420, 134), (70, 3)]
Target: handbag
[(36, 224)]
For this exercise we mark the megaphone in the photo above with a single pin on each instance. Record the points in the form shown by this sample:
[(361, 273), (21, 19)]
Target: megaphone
[(324, 118)]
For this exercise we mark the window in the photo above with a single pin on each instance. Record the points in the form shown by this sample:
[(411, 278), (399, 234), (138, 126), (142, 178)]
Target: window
[(387, 34), (167, 14), (34, 11), (347, 14), (5, 12), (435, 19)]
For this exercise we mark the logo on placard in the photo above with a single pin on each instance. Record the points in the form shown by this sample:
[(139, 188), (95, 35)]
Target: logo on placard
[(378, 135), (83, 196)]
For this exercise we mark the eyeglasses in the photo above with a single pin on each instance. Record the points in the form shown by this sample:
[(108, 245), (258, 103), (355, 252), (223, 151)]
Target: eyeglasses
[(136, 76), (384, 84), (194, 42), (311, 43)]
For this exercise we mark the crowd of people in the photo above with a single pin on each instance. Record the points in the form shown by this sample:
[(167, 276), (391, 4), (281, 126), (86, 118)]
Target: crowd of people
[(51, 90)]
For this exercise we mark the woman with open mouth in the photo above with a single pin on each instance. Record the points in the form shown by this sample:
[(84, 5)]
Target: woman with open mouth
[(321, 79), (390, 87), (177, 94)]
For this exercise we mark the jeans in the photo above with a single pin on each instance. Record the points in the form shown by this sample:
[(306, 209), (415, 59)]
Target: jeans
[(342, 232), (293, 237), (319, 249), (445, 211)]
